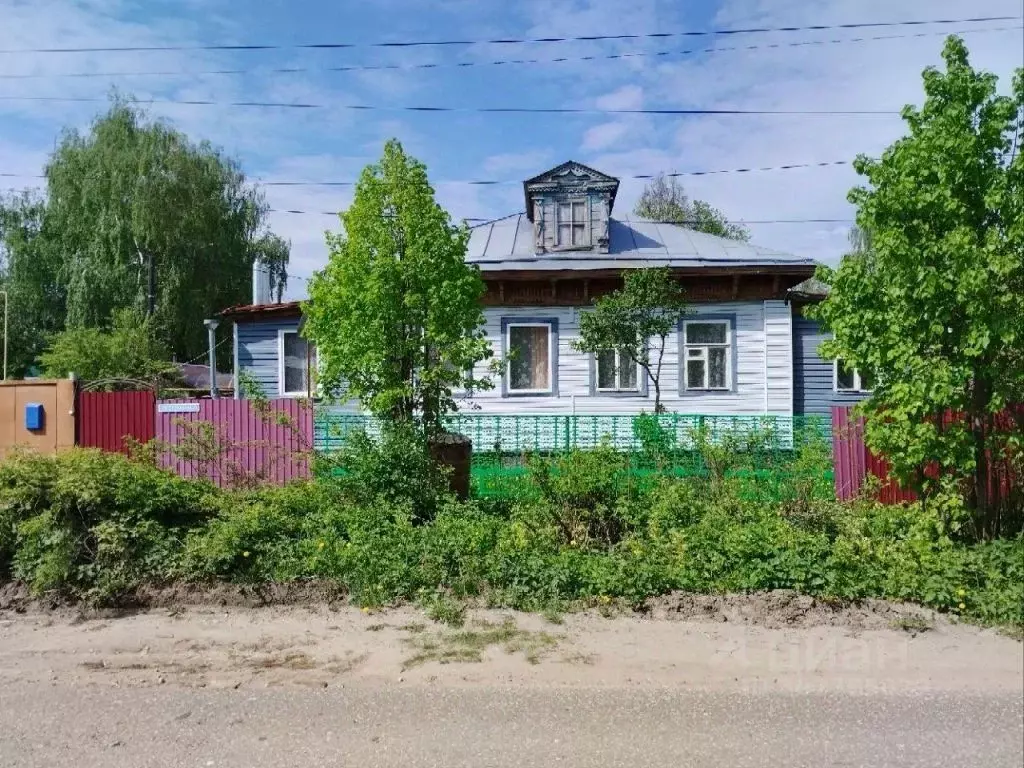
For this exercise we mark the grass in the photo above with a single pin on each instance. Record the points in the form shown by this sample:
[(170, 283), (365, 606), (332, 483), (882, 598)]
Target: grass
[(469, 645), (443, 609), (915, 625), (286, 661)]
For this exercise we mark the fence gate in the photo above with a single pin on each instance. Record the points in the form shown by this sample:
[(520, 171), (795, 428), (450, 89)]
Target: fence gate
[(105, 419)]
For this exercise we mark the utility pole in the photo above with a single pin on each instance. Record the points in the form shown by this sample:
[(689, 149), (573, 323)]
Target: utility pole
[(5, 334)]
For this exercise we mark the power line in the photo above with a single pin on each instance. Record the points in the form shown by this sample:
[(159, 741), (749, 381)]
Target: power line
[(205, 354), (501, 41), (498, 62), (681, 222), (494, 182), (476, 110), (639, 176)]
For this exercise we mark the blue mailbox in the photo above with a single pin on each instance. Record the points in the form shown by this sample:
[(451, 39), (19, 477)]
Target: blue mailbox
[(34, 416)]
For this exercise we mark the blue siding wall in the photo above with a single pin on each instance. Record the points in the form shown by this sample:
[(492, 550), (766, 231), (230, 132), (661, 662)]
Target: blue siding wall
[(258, 351), (813, 392)]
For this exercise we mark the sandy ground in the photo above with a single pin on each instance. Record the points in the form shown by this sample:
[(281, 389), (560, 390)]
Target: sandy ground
[(768, 643), (763, 680)]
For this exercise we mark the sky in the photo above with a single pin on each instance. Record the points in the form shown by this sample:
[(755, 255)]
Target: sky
[(334, 143)]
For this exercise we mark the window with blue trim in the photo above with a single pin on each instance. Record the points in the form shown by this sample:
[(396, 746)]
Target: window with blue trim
[(616, 372), (531, 357), (707, 354)]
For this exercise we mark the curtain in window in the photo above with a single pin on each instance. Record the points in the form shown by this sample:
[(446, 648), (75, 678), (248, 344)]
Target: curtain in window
[(529, 367)]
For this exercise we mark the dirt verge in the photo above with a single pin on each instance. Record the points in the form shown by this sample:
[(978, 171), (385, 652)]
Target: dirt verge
[(783, 608)]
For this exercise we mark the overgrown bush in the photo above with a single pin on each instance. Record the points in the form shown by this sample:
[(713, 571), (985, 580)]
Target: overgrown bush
[(583, 494), (394, 468), (94, 524)]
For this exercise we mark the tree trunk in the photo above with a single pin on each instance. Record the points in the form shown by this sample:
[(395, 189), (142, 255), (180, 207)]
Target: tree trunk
[(980, 418), (657, 379)]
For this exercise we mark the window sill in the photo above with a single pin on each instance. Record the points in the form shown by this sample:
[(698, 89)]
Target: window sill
[(699, 392), (528, 393)]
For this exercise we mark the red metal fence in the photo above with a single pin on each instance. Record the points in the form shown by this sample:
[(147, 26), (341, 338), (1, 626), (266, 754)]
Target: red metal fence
[(105, 419), (854, 462), (235, 442)]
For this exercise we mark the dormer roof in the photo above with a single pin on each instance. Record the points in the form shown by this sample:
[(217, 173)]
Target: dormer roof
[(569, 176)]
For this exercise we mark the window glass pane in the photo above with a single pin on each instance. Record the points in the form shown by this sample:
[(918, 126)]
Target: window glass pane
[(529, 368), (564, 213), (844, 376), (580, 213), (627, 372), (695, 374), (716, 368), (578, 235), (606, 369), (865, 381), (295, 363), (706, 333)]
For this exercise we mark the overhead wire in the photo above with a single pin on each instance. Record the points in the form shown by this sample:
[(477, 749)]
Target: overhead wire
[(477, 110), (498, 62), (498, 41), (493, 182)]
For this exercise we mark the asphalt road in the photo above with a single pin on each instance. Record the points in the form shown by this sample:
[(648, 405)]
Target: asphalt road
[(398, 725)]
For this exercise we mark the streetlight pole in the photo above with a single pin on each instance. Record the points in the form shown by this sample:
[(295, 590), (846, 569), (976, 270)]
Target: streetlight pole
[(211, 328), (5, 334)]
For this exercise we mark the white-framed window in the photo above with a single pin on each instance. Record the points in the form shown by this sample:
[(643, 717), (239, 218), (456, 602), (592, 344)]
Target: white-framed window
[(617, 372), (531, 350), (849, 379), (707, 354), (296, 362), (573, 231)]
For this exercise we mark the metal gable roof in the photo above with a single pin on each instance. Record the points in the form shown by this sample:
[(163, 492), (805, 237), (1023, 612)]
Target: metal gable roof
[(508, 245)]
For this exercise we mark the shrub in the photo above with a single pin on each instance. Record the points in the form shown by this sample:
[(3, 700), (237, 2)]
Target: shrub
[(582, 494), (268, 534), (395, 468), (26, 480), (95, 524)]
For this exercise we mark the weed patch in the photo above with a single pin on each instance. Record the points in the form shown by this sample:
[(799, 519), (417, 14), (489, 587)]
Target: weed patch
[(469, 645)]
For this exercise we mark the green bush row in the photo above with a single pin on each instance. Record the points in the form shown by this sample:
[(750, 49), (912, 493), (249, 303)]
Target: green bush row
[(97, 525)]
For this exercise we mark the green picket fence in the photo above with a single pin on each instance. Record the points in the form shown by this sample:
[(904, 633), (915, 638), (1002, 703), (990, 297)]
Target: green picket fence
[(759, 448)]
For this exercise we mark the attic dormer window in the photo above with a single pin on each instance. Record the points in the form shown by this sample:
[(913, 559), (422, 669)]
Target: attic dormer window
[(573, 231)]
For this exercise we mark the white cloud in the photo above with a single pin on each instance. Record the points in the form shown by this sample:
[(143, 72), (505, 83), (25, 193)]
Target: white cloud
[(604, 135), (626, 97), (865, 75), (335, 143)]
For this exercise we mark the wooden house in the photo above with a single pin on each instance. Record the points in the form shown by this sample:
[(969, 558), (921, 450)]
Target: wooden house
[(735, 354)]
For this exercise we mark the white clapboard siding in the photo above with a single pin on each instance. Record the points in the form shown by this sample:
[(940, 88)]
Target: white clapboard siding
[(778, 341), (764, 352)]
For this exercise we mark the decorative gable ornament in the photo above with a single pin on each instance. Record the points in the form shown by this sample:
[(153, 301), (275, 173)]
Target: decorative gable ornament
[(569, 206)]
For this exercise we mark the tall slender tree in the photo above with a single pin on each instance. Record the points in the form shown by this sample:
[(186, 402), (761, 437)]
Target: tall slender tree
[(396, 313), (931, 305)]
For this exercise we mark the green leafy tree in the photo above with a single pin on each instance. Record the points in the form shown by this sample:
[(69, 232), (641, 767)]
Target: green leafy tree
[(136, 215), (129, 350), (637, 321), (396, 313), (931, 305), (29, 273), (664, 199)]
